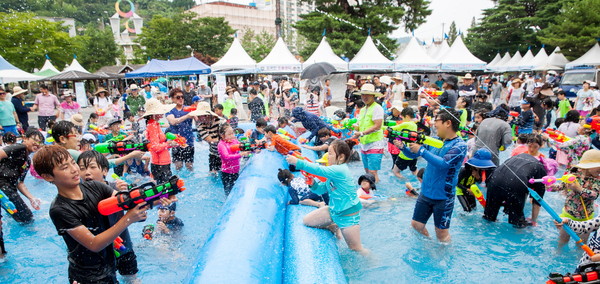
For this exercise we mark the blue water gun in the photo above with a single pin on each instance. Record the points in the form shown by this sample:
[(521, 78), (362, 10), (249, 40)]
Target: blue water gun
[(7, 204), (557, 218)]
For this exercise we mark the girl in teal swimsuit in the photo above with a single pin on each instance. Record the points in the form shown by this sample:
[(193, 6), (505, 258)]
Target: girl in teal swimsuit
[(344, 207)]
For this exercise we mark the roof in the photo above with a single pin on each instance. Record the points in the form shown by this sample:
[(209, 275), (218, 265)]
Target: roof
[(180, 67), (280, 60), (9, 73), (370, 58), (235, 58), (324, 53), (119, 69), (590, 58), (48, 66), (74, 75), (75, 66), (414, 58), (459, 58)]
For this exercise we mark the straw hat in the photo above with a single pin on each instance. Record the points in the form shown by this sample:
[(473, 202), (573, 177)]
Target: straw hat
[(18, 90), (397, 78), (100, 90), (468, 76), (68, 93), (133, 87), (287, 86), (351, 82), (514, 81), (369, 89), (229, 88), (203, 108), (589, 160), (154, 106), (77, 119)]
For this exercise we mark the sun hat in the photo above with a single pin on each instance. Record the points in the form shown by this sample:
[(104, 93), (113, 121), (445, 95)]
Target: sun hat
[(538, 85), (203, 108), (195, 99), (77, 119), (396, 106), (482, 159), (100, 90), (385, 79), (351, 82), (287, 86), (154, 106), (517, 80), (426, 80), (88, 138), (468, 76), (590, 159), (18, 90), (397, 78), (370, 178), (369, 89), (170, 207), (133, 87)]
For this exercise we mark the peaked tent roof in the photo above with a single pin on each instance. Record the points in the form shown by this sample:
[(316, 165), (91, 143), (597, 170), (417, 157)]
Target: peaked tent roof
[(432, 49), (459, 58), (280, 60), (48, 66), (9, 73), (496, 59), (514, 60), (442, 49), (75, 66), (540, 59), (235, 58), (180, 67), (501, 63), (522, 64), (324, 53), (414, 58), (557, 58), (590, 58), (369, 58)]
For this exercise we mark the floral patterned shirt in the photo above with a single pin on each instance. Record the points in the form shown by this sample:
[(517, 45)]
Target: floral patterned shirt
[(574, 148), (575, 201)]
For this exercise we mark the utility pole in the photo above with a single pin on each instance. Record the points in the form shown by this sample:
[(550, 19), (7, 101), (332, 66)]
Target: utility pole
[(278, 18), (443, 30)]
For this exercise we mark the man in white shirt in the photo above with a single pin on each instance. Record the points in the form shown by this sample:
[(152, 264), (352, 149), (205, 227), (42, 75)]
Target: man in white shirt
[(399, 89)]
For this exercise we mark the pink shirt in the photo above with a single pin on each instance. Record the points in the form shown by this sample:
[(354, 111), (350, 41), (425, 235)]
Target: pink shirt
[(230, 161), (46, 104)]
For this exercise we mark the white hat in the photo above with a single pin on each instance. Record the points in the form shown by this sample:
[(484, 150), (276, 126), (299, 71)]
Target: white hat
[(369, 89), (397, 106), (133, 87), (203, 108), (351, 82), (201, 82), (287, 86), (89, 137), (385, 79), (68, 93), (18, 90), (154, 106), (468, 76)]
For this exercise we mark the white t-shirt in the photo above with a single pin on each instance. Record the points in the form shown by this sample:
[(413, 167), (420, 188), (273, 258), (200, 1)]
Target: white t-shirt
[(102, 103), (515, 96), (422, 102)]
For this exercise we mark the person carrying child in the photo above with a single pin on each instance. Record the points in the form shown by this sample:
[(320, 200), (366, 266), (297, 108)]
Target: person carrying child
[(344, 207), (230, 160), (299, 191)]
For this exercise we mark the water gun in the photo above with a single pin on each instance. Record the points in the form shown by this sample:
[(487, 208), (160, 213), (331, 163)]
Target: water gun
[(593, 122), (147, 231), (120, 147), (116, 138), (118, 247), (389, 123), (349, 124), (7, 204), (101, 112), (284, 133), (333, 122), (177, 138), (478, 195), (189, 108), (465, 130), (247, 147), (556, 218), (557, 135), (100, 131), (433, 92), (514, 114), (550, 180), (302, 140), (411, 192), (409, 136), (148, 192), (309, 177), (583, 277)]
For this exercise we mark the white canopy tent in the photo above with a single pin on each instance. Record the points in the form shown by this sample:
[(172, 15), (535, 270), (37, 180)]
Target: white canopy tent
[(523, 64), (370, 58), (432, 50), (556, 61), (494, 61), (48, 66), (459, 58), (279, 61), (75, 66), (324, 53), (540, 59), (236, 58), (499, 64), (590, 58), (414, 58), (442, 49), (508, 65), (9, 73)]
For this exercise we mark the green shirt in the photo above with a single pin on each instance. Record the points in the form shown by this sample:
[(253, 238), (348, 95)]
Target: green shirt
[(410, 125), (111, 136), (135, 102), (7, 116), (563, 107)]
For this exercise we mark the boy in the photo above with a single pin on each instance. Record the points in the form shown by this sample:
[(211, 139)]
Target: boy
[(14, 165), (167, 222), (300, 192), (219, 111), (233, 119), (134, 128), (74, 212), (324, 136), (279, 143), (526, 119), (401, 161), (115, 130), (258, 134), (564, 105)]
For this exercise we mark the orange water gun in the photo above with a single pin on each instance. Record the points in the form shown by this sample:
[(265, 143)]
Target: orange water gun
[(283, 132), (177, 138), (309, 177), (433, 92), (557, 135), (514, 114), (100, 131), (118, 246), (593, 122), (189, 108)]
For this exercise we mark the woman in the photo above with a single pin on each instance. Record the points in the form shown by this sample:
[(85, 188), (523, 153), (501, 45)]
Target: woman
[(569, 152), (180, 122), (229, 102), (515, 95), (585, 100), (239, 105), (101, 105), (69, 107), (286, 99)]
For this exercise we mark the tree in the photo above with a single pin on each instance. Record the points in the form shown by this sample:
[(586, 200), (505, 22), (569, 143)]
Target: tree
[(576, 28), (347, 25), (259, 45), (169, 37), (97, 48), (25, 40), (452, 33)]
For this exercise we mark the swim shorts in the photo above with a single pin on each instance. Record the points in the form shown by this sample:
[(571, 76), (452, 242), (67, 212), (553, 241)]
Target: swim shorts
[(441, 210), (371, 161), (345, 221), (185, 155), (403, 164)]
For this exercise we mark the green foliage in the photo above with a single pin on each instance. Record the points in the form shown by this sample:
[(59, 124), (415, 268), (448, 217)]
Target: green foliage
[(452, 33), (98, 48), (259, 45), (576, 28), (381, 16), (168, 37), (25, 40)]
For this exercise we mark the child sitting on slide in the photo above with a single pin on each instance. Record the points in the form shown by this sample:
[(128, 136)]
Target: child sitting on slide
[(299, 191), (278, 143)]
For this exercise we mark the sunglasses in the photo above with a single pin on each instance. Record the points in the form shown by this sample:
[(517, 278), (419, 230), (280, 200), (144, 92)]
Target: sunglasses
[(179, 97)]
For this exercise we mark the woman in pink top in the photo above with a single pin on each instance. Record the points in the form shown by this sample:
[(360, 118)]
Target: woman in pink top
[(69, 107), (230, 158)]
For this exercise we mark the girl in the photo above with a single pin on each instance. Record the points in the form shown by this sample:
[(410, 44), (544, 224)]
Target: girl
[(115, 109), (474, 171), (344, 207), (158, 146), (101, 104), (568, 152), (230, 161), (312, 101), (585, 100), (571, 124)]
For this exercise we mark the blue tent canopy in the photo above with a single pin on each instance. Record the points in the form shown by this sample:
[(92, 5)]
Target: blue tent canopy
[(181, 67)]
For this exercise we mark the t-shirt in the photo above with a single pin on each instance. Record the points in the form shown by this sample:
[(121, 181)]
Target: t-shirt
[(187, 97), (184, 128), (135, 102), (46, 104), (174, 225), (85, 266), (516, 95), (257, 109), (7, 116), (581, 99), (14, 168), (467, 90), (299, 191), (563, 107), (449, 98), (102, 103), (496, 91), (211, 130), (70, 109)]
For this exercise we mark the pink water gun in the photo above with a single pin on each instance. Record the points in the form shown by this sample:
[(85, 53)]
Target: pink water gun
[(550, 180)]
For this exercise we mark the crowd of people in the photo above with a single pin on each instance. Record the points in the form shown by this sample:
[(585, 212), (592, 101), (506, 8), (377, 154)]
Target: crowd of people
[(458, 129)]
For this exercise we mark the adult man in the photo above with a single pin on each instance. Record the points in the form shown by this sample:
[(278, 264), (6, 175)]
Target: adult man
[(188, 94), (208, 130), (146, 90), (399, 89), (494, 133), (541, 92), (369, 131), (135, 101), (20, 108), (467, 89), (441, 175), (350, 102), (496, 92), (204, 92), (180, 123), (47, 105)]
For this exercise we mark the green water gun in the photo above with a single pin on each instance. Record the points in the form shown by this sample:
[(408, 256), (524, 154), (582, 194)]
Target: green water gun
[(116, 138), (349, 124), (409, 136), (121, 147)]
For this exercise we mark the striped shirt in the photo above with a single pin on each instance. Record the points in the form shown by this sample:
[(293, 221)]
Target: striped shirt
[(312, 105), (206, 130)]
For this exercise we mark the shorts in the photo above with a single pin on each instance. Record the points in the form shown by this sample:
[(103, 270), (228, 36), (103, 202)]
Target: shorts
[(214, 162), (345, 221), (371, 161), (403, 164), (12, 129), (161, 173), (185, 155), (441, 210)]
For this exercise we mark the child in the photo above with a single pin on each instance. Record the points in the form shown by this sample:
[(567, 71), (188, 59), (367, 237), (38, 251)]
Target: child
[(258, 134), (93, 166), (312, 103), (219, 111), (114, 126), (282, 146), (401, 161), (525, 119), (233, 119), (300, 192), (366, 190), (410, 190), (471, 138), (157, 141), (474, 171), (564, 105), (134, 131), (92, 120), (324, 136), (9, 138), (230, 161), (115, 109), (568, 152), (167, 222), (548, 105), (344, 207), (521, 145), (462, 105), (395, 114), (87, 234), (85, 144)]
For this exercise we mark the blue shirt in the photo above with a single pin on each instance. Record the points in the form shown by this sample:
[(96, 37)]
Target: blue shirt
[(184, 128), (443, 165)]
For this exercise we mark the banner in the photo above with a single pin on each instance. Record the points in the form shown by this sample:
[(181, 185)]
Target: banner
[(221, 84), (80, 94)]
